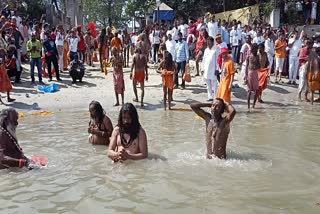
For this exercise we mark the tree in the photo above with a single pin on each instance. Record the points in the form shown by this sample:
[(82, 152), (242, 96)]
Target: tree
[(138, 7), (105, 12)]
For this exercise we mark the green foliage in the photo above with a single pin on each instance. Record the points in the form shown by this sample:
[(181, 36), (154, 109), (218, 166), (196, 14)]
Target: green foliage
[(267, 7), (137, 7), (105, 12)]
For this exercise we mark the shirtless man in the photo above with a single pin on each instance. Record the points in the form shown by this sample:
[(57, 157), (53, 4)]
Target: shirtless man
[(100, 126), (89, 47), (126, 47), (217, 126), (143, 45), (128, 140), (11, 154), (139, 73)]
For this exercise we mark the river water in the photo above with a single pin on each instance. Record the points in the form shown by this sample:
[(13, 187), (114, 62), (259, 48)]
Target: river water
[(272, 167)]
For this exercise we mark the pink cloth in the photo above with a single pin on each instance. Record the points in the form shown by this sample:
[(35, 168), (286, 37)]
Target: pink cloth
[(118, 80), (252, 80)]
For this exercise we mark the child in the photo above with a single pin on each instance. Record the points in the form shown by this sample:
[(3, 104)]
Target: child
[(168, 69), (118, 81)]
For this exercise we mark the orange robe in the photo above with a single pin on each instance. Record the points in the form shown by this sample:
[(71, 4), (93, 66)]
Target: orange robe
[(167, 78), (65, 54), (5, 84), (228, 70), (263, 79)]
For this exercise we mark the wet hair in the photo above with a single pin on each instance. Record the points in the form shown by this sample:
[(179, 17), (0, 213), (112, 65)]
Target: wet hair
[(254, 46), (103, 33), (5, 116), (100, 113), (223, 104), (168, 61), (135, 126), (138, 51), (179, 34)]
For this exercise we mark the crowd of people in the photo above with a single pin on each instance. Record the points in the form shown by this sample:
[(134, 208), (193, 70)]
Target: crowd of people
[(220, 49)]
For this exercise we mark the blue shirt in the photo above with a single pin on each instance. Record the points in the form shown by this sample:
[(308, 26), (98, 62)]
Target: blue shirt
[(182, 52), (225, 36)]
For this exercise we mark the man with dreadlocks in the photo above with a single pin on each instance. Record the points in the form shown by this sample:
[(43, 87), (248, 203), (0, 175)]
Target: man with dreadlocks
[(100, 126), (11, 154), (128, 140)]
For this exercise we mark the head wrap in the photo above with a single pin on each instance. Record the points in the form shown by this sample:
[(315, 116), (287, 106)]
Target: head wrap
[(222, 51), (218, 36)]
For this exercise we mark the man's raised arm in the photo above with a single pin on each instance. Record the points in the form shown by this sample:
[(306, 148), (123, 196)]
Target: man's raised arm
[(197, 108)]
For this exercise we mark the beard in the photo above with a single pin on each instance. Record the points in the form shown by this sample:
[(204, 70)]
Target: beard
[(127, 128), (12, 130)]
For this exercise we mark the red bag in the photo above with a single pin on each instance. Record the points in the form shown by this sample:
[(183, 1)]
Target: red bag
[(187, 76)]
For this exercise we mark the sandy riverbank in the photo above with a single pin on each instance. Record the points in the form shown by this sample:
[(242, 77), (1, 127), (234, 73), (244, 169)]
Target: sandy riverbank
[(97, 86)]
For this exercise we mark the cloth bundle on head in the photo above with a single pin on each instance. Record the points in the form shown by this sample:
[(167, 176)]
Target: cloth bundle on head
[(222, 51)]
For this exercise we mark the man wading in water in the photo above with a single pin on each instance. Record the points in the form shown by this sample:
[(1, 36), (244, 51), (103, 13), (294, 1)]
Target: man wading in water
[(128, 140), (11, 154), (217, 126)]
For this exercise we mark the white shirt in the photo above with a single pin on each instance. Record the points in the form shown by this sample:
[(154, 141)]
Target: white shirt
[(174, 33), (235, 36), (59, 39), (156, 37), (134, 40), (73, 44), (258, 40), (171, 47), (253, 34), (183, 29), (294, 50), (269, 47), (210, 63), (213, 29)]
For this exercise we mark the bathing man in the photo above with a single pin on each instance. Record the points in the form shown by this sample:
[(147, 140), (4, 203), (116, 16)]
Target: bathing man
[(11, 154), (128, 140), (217, 125)]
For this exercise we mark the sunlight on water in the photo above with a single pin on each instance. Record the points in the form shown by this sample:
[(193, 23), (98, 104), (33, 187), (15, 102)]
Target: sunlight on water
[(272, 167)]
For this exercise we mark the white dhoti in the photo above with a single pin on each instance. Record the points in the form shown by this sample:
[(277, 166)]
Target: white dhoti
[(303, 85), (212, 87)]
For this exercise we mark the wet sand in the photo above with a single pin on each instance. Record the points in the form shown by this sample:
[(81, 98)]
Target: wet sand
[(98, 86)]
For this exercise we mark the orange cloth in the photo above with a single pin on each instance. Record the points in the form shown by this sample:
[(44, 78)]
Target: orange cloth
[(263, 79), (228, 70), (167, 78), (65, 54), (139, 76), (281, 52), (5, 84), (313, 80), (116, 42), (313, 72)]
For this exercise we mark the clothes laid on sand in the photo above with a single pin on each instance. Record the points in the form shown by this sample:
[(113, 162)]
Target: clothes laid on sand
[(139, 76), (5, 84), (252, 80), (167, 78), (118, 80), (227, 71)]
